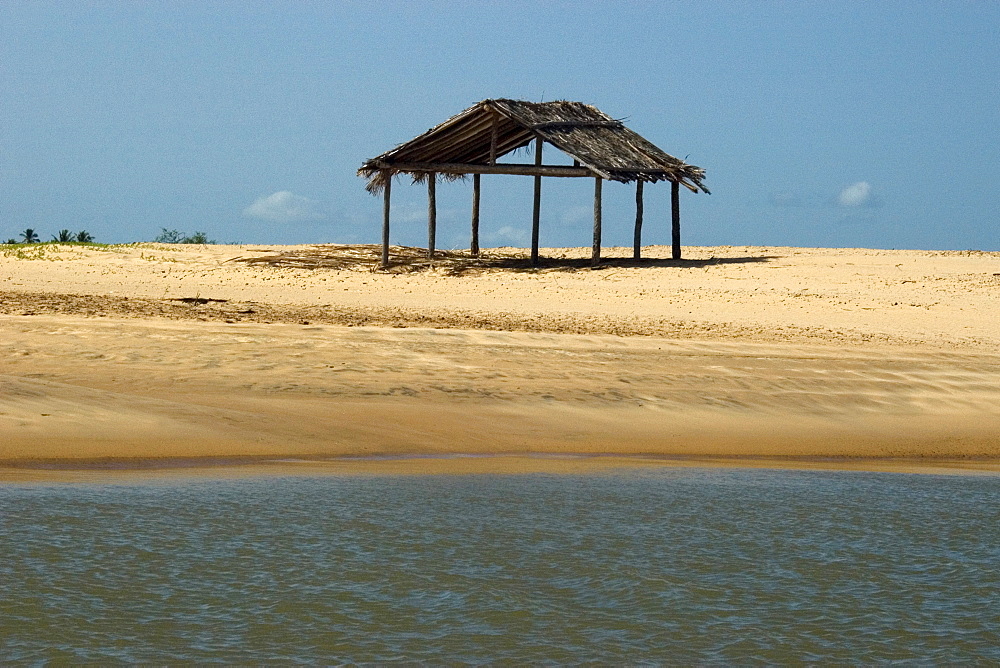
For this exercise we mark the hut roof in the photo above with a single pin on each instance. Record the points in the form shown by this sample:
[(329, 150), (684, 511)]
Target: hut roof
[(602, 145)]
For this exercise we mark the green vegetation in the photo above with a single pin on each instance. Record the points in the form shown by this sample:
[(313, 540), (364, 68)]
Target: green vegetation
[(30, 236), (31, 247), (65, 236), (178, 237), (54, 250)]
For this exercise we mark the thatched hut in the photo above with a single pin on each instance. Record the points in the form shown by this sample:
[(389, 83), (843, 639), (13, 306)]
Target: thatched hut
[(471, 142)]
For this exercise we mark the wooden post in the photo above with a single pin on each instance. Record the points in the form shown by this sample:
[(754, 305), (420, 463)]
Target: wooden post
[(431, 214), (595, 257), (538, 205), (474, 244), (385, 218), (675, 216), (637, 241)]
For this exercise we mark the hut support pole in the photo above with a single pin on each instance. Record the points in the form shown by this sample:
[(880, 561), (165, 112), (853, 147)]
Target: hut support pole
[(385, 220), (431, 214), (675, 218), (595, 257), (474, 244), (538, 205), (637, 241)]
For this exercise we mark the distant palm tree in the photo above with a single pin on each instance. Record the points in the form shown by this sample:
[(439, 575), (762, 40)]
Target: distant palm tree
[(29, 236), (11, 241), (64, 236), (84, 237)]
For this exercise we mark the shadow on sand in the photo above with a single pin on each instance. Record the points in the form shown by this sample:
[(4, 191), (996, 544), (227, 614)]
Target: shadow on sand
[(407, 259)]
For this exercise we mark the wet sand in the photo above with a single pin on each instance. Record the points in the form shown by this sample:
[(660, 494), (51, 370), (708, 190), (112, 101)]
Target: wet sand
[(808, 358)]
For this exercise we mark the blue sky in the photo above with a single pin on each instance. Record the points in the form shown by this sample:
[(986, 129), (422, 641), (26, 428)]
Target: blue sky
[(819, 123)]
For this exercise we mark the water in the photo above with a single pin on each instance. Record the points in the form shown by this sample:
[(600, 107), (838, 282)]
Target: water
[(663, 565)]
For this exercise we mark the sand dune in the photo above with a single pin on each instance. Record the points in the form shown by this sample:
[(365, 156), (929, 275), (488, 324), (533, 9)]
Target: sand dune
[(97, 362)]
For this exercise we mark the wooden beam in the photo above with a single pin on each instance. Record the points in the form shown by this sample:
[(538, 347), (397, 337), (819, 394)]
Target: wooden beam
[(474, 244), (537, 212), (675, 218), (493, 136), (595, 257), (385, 220), (513, 169), (637, 240), (431, 214)]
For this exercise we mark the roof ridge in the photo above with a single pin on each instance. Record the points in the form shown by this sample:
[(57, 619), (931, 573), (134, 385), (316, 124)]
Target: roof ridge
[(499, 126)]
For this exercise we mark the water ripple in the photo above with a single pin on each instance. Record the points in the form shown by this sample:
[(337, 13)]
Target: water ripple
[(660, 566)]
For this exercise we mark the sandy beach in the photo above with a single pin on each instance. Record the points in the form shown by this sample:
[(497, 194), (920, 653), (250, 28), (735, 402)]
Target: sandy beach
[(167, 355)]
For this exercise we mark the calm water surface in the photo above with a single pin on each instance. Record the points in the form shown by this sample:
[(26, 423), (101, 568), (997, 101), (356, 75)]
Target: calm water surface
[(665, 566)]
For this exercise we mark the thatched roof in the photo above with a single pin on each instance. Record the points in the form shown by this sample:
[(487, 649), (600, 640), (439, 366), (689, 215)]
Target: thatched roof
[(602, 145)]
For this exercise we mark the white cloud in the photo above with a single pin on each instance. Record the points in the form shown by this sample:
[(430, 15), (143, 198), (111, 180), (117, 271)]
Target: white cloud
[(576, 214), (509, 236), (856, 194), (284, 207)]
